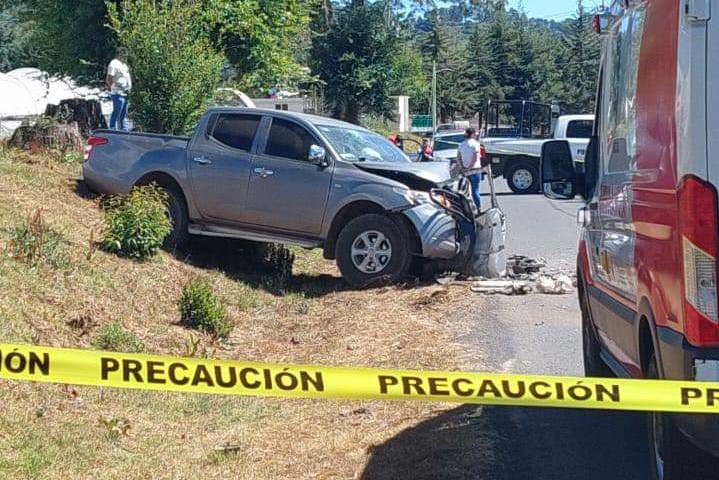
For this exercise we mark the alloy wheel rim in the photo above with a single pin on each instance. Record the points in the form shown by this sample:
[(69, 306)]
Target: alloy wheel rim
[(371, 252), (522, 179)]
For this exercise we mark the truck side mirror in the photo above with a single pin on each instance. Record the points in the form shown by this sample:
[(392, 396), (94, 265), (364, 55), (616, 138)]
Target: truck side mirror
[(317, 156), (559, 178)]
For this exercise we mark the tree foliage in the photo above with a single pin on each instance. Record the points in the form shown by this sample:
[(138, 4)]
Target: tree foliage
[(174, 65), (69, 37), (353, 55), (264, 40)]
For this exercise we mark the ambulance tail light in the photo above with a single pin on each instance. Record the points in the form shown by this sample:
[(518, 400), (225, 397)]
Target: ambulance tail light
[(699, 234)]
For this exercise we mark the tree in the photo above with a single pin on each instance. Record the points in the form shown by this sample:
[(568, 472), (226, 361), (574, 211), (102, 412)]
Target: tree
[(581, 51), (70, 37), (263, 40), (353, 57), (444, 46), (175, 67), (15, 49), (408, 76)]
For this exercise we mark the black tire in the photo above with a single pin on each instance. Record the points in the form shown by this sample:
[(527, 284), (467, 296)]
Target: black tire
[(529, 178), (667, 445), (398, 263), (179, 219), (594, 366)]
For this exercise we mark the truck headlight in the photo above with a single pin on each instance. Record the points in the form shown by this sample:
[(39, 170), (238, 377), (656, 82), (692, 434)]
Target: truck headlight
[(414, 197), (441, 199)]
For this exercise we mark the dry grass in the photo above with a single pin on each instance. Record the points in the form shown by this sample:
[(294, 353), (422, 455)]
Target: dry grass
[(49, 431)]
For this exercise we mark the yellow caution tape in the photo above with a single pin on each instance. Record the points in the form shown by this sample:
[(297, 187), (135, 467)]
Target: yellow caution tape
[(191, 375)]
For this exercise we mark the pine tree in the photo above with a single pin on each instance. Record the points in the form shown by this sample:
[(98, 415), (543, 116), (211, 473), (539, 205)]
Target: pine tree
[(581, 50)]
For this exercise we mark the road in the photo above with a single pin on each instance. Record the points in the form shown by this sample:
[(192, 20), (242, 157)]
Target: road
[(523, 334)]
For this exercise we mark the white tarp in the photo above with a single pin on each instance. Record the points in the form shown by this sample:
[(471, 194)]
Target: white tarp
[(27, 92), (15, 98)]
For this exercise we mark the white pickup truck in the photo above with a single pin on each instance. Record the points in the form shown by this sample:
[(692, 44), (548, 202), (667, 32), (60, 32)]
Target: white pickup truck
[(517, 158)]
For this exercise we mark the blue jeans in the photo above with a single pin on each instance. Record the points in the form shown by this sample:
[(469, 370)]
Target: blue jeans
[(119, 112), (475, 179)]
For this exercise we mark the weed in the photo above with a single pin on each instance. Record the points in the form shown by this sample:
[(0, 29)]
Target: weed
[(35, 243), (137, 223), (278, 261), (202, 310), (114, 337), (115, 427)]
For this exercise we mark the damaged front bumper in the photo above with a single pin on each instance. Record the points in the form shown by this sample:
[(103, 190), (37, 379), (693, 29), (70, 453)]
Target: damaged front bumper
[(437, 230)]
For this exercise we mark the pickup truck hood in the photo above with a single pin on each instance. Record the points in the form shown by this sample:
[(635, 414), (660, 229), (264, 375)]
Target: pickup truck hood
[(417, 176)]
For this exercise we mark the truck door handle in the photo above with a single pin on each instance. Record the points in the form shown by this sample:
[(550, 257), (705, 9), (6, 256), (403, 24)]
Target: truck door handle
[(263, 172), (202, 160)]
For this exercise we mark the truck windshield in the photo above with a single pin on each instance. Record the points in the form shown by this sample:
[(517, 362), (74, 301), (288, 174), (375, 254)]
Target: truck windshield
[(355, 145)]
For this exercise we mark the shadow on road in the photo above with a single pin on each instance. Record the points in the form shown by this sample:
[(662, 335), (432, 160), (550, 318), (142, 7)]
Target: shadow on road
[(504, 443)]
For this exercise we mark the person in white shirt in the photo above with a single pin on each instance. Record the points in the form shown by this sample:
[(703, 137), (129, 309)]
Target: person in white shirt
[(469, 161), (119, 82)]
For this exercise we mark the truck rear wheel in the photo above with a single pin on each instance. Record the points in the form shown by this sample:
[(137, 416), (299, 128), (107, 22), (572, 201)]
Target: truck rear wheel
[(178, 217), (373, 250), (523, 178)]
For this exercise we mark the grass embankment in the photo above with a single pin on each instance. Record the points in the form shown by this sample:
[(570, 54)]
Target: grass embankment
[(93, 299)]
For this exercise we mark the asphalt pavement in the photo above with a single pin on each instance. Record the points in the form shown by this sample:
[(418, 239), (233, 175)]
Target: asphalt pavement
[(537, 334)]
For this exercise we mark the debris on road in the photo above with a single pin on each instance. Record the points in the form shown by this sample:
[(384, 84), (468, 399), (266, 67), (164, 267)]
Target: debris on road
[(520, 264), (526, 275)]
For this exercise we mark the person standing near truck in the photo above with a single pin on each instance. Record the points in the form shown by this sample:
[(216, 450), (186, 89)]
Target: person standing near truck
[(470, 163), (119, 82)]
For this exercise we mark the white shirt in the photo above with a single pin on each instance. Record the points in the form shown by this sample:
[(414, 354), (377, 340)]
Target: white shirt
[(121, 80), (466, 154)]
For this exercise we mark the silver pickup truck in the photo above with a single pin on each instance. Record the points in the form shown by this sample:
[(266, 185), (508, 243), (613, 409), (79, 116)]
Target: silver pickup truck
[(273, 176)]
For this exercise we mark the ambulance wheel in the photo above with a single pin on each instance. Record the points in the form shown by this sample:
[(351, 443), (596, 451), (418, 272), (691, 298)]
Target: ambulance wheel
[(594, 366), (671, 456), (523, 178)]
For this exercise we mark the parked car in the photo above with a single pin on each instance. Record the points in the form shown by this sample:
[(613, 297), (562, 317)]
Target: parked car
[(516, 157), (274, 176), (647, 263)]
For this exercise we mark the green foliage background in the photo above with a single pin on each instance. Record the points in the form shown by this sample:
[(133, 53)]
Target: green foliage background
[(174, 65), (358, 53)]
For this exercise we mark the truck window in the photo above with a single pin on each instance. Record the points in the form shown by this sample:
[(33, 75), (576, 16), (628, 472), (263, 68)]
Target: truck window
[(618, 108), (236, 131), (448, 142), (580, 129), (289, 140)]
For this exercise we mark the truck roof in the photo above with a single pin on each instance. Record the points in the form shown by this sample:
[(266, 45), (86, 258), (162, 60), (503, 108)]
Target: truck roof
[(313, 119)]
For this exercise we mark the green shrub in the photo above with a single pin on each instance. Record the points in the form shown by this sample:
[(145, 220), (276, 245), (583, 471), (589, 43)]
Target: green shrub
[(35, 243), (278, 261), (175, 68), (137, 223), (202, 310), (115, 338)]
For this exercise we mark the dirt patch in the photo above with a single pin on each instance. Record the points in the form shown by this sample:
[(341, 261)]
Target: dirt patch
[(52, 431)]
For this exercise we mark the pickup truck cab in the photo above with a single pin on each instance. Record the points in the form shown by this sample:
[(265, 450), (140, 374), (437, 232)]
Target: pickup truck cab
[(516, 158), (647, 262), (273, 176)]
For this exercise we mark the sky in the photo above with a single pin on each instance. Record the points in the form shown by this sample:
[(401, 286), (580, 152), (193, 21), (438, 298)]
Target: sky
[(552, 9)]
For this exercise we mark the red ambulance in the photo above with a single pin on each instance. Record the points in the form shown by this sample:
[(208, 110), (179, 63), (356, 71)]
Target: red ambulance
[(647, 263)]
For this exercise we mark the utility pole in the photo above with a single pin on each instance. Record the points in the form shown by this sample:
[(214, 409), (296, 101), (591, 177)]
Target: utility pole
[(434, 98)]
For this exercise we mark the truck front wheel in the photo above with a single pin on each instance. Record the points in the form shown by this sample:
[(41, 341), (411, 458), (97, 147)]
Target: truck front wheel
[(523, 178), (373, 250)]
